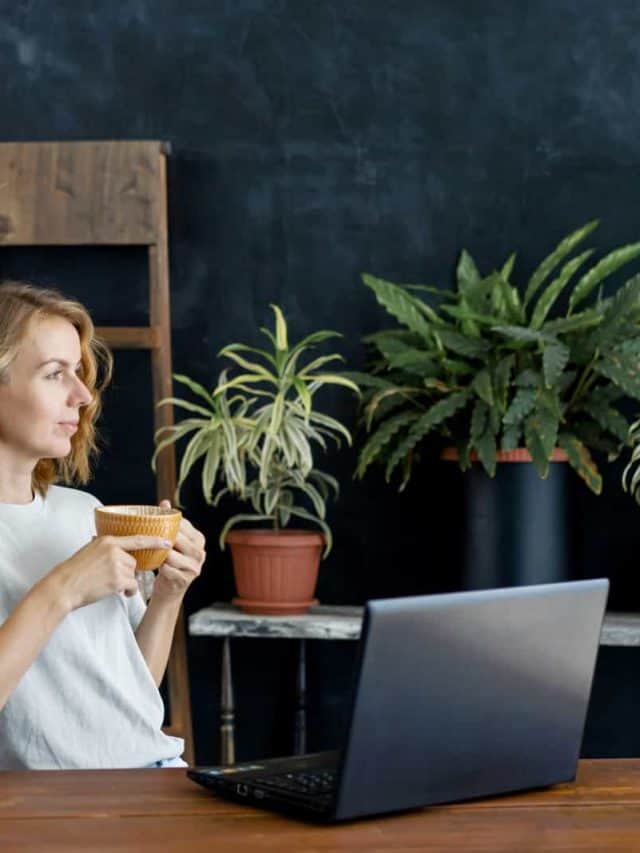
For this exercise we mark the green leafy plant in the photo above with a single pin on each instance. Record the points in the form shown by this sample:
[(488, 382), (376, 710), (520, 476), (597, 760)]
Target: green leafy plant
[(491, 366), (257, 430), (631, 473)]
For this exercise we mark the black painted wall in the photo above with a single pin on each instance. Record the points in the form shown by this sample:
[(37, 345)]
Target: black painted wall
[(313, 140)]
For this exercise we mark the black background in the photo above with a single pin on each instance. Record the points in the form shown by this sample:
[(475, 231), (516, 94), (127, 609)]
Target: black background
[(313, 141)]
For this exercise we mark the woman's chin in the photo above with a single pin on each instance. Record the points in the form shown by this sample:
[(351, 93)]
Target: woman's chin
[(60, 450)]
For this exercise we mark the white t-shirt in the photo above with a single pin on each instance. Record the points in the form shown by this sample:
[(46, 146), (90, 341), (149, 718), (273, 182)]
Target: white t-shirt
[(88, 700)]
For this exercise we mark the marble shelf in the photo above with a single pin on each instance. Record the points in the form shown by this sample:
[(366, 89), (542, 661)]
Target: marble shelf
[(337, 622), (621, 629), (323, 622)]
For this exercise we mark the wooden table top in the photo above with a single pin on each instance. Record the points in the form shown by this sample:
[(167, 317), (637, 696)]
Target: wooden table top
[(162, 810)]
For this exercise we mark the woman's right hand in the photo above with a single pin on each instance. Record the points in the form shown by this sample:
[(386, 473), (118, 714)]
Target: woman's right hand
[(101, 568)]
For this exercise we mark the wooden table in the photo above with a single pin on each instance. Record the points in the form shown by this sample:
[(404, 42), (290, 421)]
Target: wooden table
[(161, 810)]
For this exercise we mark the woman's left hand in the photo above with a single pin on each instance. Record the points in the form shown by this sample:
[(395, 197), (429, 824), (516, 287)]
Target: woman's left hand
[(183, 564)]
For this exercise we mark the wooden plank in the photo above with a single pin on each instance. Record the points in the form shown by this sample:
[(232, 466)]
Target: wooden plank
[(74, 793), (163, 810), (564, 830), (161, 372), (79, 193), (130, 337)]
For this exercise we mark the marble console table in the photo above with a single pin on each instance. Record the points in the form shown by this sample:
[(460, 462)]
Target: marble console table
[(321, 623)]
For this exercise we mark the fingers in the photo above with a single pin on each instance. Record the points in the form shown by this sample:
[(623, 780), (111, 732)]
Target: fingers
[(192, 533), (188, 546), (130, 588), (182, 562), (138, 542), (186, 527)]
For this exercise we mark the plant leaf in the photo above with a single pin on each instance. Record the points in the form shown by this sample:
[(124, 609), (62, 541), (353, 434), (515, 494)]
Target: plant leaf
[(502, 378), (563, 248), (607, 417), (281, 329), (399, 304), (259, 369), (194, 386), (462, 345), (437, 414), (507, 267), (551, 293), (184, 404), (511, 436), (581, 461), (574, 323), (467, 273), (482, 386), (244, 348), (518, 333), (334, 379), (527, 379), (623, 372), (544, 422), (536, 448), (304, 394), (554, 361), (608, 265), (380, 438), (485, 444), (522, 404)]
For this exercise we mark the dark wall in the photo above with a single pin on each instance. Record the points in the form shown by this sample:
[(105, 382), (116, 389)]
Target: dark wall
[(312, 141)]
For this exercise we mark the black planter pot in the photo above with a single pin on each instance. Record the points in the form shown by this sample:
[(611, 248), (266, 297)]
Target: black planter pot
[(517, 526)]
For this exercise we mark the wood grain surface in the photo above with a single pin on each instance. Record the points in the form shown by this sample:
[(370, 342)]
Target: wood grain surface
[(163, 810)]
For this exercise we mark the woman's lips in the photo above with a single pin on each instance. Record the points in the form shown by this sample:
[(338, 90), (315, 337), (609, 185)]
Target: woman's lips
[(69, 426)]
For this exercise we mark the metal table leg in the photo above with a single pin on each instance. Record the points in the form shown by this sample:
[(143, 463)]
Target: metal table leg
[(227, 739), (300, 731)]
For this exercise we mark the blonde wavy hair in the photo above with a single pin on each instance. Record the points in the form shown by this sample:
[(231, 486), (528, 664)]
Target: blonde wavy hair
[(21, 305)]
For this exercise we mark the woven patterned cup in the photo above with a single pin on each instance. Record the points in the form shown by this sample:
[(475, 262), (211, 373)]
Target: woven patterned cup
[(131, 519)]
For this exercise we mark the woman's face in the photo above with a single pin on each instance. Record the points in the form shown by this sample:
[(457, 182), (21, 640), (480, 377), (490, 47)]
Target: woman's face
[(40, 403)]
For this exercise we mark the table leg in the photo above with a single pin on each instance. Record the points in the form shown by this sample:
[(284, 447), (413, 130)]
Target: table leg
[(300, 732), (227, 741)]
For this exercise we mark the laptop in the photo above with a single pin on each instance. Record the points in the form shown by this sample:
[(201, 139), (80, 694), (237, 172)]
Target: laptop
[(456, 696)]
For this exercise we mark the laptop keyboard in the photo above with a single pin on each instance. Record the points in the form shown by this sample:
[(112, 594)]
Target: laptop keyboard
[(320, 784)]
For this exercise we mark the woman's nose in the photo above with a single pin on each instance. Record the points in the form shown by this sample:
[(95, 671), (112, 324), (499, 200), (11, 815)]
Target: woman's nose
[(81, 393)]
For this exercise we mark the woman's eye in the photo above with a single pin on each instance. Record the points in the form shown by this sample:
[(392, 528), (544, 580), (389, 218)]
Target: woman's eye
[(54, 374)]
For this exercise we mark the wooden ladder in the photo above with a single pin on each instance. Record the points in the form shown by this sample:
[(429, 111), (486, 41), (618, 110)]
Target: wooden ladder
[(108, 193)]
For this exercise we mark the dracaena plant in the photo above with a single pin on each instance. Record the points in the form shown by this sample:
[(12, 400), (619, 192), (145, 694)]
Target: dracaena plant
[(257, 431), (494, 365)]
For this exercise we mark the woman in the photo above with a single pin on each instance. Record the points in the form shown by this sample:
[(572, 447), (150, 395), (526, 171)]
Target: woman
[(81, 656)]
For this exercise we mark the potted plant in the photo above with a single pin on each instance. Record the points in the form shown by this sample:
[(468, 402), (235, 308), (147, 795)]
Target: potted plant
[(494, 369), (256, 433)]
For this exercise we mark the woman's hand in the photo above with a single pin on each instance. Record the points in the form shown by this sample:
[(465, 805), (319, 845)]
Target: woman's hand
[(100, 568), (183, 564)]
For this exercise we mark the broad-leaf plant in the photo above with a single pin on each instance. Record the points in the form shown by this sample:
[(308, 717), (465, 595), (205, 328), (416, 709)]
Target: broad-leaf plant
[(495, 364), (257, 431)]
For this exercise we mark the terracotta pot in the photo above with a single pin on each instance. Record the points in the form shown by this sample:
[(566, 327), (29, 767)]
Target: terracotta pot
[(275, 571), (518, 454)]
